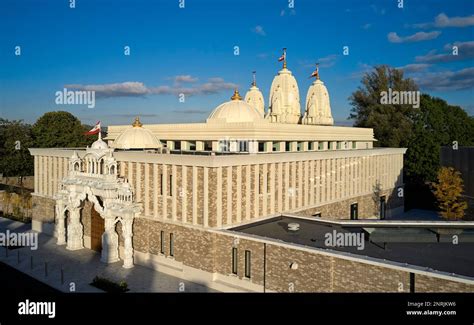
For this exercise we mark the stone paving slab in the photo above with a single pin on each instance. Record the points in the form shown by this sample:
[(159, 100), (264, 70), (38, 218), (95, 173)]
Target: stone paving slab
[(81, 266)]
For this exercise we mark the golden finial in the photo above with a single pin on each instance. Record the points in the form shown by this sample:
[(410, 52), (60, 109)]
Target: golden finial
[(284, 58), (236, 95), (137, 123)]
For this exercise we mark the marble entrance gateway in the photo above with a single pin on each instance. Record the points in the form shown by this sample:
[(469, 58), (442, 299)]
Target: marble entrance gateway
[(94, 177)]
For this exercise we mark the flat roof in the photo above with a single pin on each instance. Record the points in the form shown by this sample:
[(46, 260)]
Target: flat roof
[(423, 247)]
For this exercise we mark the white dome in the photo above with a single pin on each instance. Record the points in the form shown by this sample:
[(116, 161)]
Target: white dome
[(284, 102), (318, 107), (234, 111), (136, 137), (254, 98), (99, 144)]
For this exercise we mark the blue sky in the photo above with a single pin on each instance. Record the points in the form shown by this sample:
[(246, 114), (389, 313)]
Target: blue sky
[(172, 49)]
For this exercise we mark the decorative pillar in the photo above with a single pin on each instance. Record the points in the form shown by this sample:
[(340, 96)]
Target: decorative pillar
[(109, 252), (60, 226), (75, 231), (128, 249)]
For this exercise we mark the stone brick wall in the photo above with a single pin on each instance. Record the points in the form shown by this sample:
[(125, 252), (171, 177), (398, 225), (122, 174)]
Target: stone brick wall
[(315, 272), (26, 182), (43, 209), (367, 207), (425, 283)]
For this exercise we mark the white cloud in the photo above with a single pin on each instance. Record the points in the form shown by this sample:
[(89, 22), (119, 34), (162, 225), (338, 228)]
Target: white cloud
[(417, 37), (139, 89), (465, 51), (442, 21), (259, 30), (414, 67), (367, 26), (184, 79), (447, 80)]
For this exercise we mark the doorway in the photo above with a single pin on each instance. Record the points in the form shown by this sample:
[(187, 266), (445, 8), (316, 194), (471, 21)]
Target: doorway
[(97, 229)]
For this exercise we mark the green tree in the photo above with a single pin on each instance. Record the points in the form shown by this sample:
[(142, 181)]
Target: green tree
[(448, 191), (60, 130), (15, 139), (436, 124), (391, 123)]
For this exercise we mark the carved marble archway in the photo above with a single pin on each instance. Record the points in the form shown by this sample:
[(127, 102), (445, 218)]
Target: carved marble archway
[(117, 205)]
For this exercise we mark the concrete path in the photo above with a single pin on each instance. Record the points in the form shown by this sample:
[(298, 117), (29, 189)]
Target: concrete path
[(80, 267)]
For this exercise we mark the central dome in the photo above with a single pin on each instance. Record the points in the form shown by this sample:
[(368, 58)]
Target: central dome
[(234, 111), (136, 137)]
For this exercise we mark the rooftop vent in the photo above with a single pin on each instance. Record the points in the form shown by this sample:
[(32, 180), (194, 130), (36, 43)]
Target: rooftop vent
[(293, 226)]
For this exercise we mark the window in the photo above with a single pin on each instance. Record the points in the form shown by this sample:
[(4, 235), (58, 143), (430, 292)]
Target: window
[(261, 146), (354, 144), (170, 191), (339, 145), (171, 244), (162, 185), (234, 260), (247, 264), (354, 211), (320, 146), (243, 146), (287, 146), (383, 208), (162, 242)]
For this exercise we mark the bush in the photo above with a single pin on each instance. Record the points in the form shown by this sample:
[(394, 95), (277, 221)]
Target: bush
[(109, 286)]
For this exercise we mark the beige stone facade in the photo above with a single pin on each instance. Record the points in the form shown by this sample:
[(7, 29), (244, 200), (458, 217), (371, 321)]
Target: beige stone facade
[(225, 191)]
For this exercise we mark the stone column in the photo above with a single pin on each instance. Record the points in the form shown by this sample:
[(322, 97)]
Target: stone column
[(109, 252), (60, 226), (75, 231), (128, 249)]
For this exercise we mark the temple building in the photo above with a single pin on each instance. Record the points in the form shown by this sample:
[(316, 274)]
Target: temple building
[(171, 196)]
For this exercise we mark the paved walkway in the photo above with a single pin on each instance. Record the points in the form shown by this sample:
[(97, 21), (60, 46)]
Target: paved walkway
[(81, 266)]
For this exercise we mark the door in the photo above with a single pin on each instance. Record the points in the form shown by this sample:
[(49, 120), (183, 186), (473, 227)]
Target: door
[(383, 207), (97, 229)]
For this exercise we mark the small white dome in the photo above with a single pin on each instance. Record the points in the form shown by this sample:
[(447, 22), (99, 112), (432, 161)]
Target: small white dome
[(234, 111), (318, 107), (284, 102), (99, 144), (254, 98), (136, 137)]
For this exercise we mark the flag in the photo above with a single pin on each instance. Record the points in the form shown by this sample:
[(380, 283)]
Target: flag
[(314, 74), (281, 58), (94, 130)]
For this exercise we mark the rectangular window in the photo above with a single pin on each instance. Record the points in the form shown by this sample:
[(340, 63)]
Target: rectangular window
[(162, 185), (234, 260), (268, 182), (162, 242), (339, 145), (170, 187), (171, 244), (320, 146), (383, 208), (261, 147), (354, 211), (287, 146), (354, 145), (247, 264)]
